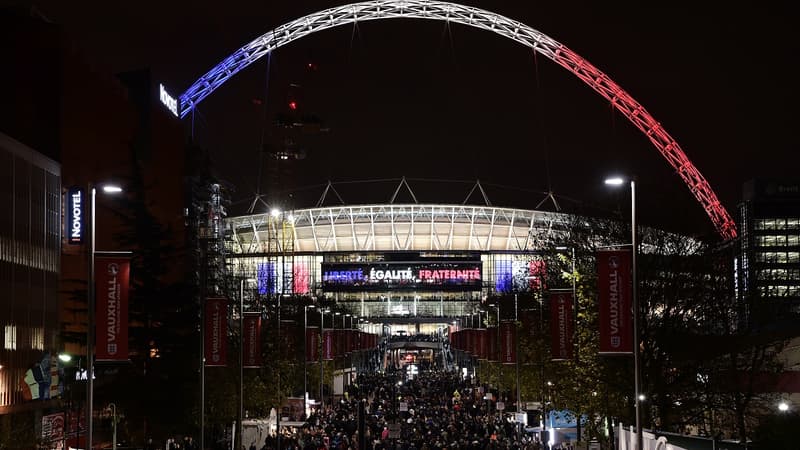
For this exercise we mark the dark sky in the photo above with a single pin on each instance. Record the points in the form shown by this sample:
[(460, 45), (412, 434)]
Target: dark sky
[(424, 100)]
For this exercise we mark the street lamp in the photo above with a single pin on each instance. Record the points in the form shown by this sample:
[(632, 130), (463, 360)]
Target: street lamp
[(305, 358), (90, 291), (637, 376), (321, 365), (783, 406)]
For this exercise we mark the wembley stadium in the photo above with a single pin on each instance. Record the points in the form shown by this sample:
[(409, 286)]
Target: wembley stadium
[(413, 267)]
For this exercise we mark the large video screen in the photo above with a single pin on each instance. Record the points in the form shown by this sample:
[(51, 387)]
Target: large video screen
[(415, 275)]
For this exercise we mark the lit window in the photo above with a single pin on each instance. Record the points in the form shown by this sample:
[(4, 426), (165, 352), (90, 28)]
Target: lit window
[(11, 337), (37, 339)]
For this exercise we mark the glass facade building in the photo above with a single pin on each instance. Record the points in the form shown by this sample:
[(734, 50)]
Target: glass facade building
[(768, 264), (30, 246)]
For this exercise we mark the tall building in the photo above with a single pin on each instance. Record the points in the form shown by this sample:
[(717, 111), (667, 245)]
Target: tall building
[(30, 256), (100, 128), (768, 265)]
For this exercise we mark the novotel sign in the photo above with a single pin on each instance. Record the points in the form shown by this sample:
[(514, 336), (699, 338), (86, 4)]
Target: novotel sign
[(438, 275), (169, 101), (74, 228)]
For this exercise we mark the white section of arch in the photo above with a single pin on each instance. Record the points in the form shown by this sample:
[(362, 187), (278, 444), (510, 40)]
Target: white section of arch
[(486, 20)]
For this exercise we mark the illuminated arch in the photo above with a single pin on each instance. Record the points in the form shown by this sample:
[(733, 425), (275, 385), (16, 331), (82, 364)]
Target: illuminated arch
[(478, 18)]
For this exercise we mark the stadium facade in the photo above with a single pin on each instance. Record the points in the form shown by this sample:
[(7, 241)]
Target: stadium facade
[(413, 264)]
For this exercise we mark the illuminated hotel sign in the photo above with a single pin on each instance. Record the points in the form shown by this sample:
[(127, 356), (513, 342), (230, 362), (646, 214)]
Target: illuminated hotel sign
[(168, 101), (416, 275), (74, 213)]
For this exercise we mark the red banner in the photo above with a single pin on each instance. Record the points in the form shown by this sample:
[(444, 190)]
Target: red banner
[(561, 326), (508, 342), (614, 284), (349, 341), (251, 340), (112, 282), (494, 350), (327, 345), (312, 344), (216, 332), (289, 337), (483, 344), (531, 322)]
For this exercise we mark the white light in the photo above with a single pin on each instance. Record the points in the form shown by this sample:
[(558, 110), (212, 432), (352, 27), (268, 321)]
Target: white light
[(783, 406), (111, 189), (290, 218), (64, 357), (641, 397), (170, 102), (561, 248), (275, 212), (615, 181)]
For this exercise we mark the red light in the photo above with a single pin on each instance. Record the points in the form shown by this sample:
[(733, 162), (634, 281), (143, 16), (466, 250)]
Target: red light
[(293, 105)]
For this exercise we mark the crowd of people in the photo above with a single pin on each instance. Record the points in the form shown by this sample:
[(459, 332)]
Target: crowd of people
[(438, 409)]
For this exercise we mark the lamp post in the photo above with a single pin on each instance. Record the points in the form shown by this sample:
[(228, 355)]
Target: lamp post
[(114, 425), (305, 358), (90, 291), (574, 329), (241, 361), (321, 366), (637, 376)]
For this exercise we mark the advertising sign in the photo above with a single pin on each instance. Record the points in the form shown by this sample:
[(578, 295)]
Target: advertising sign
[(252, 340), (439, 275), (112, 280), (614, 285), (561, 326), (216, 332), (73, 222)]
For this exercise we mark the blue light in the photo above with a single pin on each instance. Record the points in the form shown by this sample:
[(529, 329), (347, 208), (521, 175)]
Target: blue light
[(266, 278), (503, 276)]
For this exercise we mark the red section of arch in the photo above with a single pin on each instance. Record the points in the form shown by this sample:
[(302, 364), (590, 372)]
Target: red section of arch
[(648, 125)]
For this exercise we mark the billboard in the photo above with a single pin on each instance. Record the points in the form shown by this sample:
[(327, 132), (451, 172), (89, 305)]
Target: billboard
[(112, 282), (440, 275), (614, 286)]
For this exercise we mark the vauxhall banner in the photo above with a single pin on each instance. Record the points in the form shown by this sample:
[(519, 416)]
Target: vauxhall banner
[(112, 282), (312, 344), (252, 340), (614, 284), (561, 326), (327, 345), (508, 342), (216, 336)]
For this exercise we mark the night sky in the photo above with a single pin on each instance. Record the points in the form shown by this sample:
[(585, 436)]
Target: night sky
[(425, 100)]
